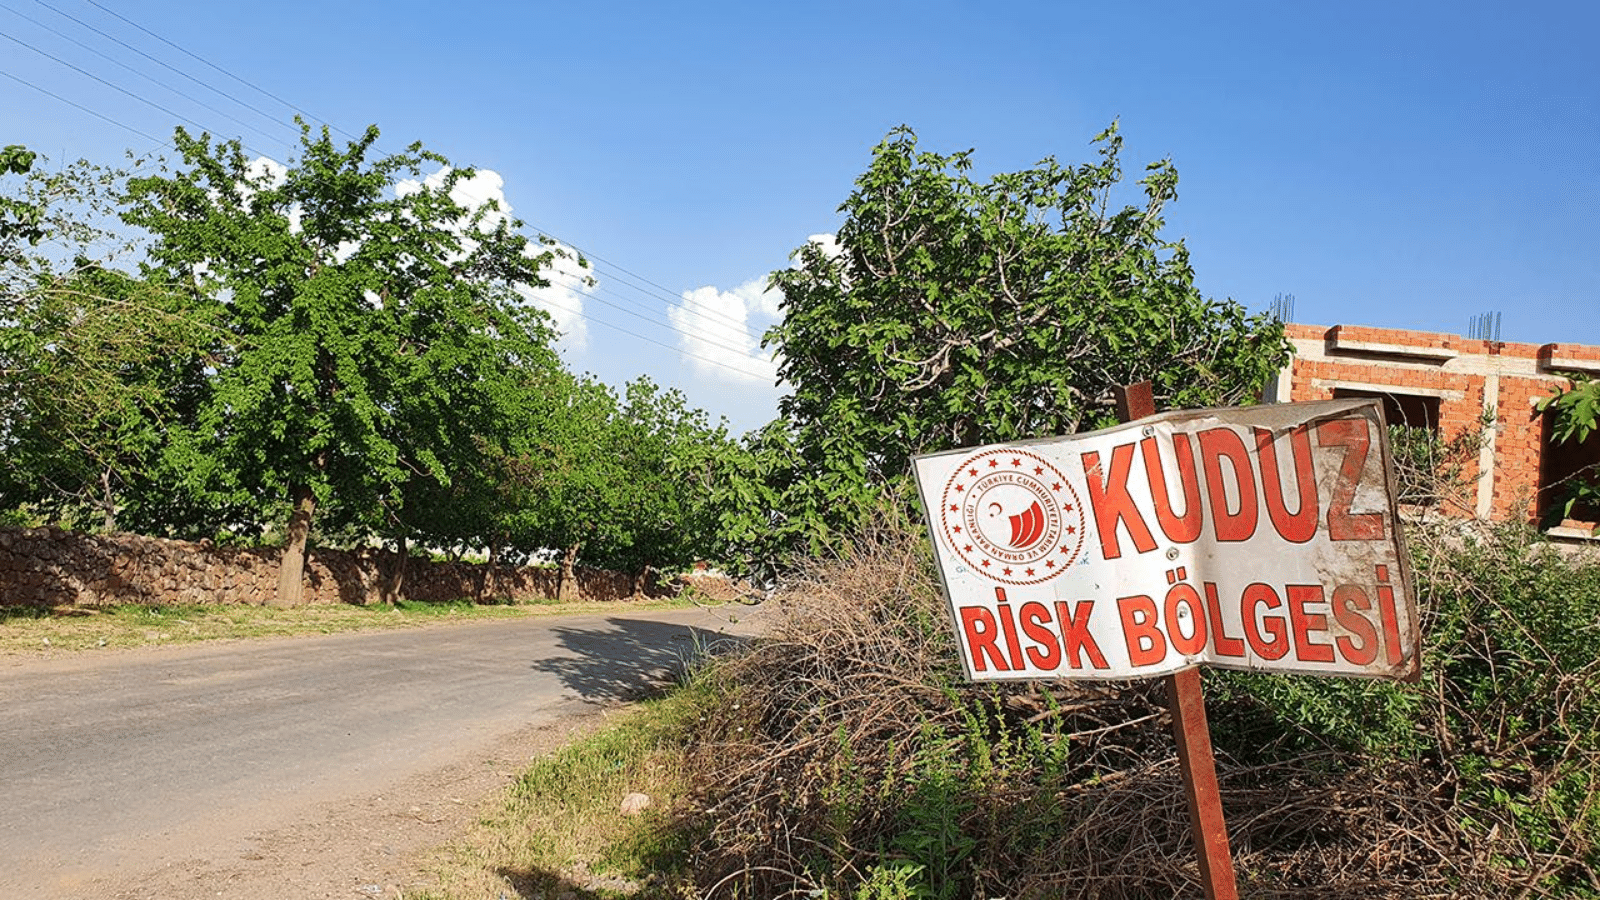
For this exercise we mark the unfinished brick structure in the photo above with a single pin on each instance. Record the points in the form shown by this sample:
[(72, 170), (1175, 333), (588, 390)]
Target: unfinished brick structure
[(1450, 384)]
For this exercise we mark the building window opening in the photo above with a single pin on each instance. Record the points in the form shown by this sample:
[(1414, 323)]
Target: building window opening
[(1429, 471), (1569, 477), (1409, 410)]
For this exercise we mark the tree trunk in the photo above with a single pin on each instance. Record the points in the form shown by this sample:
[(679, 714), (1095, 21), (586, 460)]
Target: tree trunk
[(567, 590), (395, 589), (292, 567), (486, 584)]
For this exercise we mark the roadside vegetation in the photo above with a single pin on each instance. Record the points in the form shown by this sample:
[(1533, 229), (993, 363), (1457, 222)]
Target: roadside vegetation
[(560, 830), (285, 364), (339, 351), (844, 756)]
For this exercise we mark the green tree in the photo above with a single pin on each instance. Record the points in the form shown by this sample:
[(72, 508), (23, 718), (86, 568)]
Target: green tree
[(956, 312), (671, 460), (109, 358), (19, 219), (89, 355), (629, 483), (370, 323)]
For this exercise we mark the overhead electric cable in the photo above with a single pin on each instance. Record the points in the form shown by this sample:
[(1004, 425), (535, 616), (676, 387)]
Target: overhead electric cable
[(118, 88), (715, 362), (669, 324), (719, 319), (661, 292), (643, 286), (204, 61), (80, 106), (103, 55)]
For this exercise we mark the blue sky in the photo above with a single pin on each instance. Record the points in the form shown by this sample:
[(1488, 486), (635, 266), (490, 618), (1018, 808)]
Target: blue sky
[(1401, 164)]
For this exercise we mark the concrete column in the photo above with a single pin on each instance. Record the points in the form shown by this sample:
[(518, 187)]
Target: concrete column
[(1486, 459)]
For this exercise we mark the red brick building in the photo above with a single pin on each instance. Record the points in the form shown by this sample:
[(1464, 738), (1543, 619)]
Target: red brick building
[(1451, 384)]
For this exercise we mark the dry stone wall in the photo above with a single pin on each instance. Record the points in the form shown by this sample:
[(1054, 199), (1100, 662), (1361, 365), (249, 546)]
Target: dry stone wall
[(52, 567)]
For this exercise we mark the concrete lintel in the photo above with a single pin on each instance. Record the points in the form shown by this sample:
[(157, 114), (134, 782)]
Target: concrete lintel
[(1380, 348), (1399, 389), (1553, 363)]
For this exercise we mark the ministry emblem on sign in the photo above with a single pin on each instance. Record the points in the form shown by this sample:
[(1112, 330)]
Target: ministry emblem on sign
[(1012, 517)]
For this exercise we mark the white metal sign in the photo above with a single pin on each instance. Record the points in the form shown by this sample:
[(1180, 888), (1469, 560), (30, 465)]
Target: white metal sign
[(1261, 538)]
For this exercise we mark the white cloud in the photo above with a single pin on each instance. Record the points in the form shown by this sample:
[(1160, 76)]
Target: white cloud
[(563, 299), (266, 172), (569, 283), (480, 189), (828, 243), (719, 332)]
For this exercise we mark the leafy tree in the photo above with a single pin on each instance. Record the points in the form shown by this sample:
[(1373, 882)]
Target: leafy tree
[(671, 458), (555, 481), (108, 356), (957, 312), (629, 482), (88, 353), (19, 219), (371, 323)]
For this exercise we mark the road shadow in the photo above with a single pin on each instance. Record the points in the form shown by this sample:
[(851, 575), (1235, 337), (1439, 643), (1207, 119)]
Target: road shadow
[(627, 659)]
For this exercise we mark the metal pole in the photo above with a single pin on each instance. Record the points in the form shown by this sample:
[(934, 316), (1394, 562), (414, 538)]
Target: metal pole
[(1193, 734)]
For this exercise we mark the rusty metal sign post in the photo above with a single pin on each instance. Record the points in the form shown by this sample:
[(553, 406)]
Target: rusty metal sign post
[(1273, 529), (1192, 731)]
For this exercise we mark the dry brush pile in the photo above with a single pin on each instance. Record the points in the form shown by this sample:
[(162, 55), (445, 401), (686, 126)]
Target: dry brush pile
[(845, 757)]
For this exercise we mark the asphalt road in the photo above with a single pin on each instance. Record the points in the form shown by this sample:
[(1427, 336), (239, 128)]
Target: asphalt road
[(111, 762)]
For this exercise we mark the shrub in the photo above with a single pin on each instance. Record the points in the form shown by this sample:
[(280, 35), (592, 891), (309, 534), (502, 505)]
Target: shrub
[(846, 757)]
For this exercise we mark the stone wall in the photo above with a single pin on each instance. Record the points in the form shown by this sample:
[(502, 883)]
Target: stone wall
[(52, 567)]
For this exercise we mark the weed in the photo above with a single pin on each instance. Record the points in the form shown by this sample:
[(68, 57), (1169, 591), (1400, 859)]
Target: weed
[(560, 830), (860, 766)]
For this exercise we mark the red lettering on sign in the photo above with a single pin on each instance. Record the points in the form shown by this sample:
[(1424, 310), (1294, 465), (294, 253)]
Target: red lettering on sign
[(978, 625), (1180, 529), (1391, 620), (1216, 445), (1255, 595), (1352, 435), (1302, 525), (1008, 626), (1035, 621), (1146, 646), (1304, 622), (1221, 641), (1178, 596), (1349, 601), (1108, 494), (1075, 634)]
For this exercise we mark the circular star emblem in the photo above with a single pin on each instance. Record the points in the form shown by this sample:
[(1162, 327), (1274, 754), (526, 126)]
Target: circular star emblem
[(1012, 517)]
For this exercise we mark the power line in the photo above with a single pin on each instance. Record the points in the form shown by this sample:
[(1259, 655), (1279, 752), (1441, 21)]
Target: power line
[(260, 90), (727, 326), (668, 324), (80, 106), (143, 75), (660, 292), (716, 362), (637, 283), (118, 88)]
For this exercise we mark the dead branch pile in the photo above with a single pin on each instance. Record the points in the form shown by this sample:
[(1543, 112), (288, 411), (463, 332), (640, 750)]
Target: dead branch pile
[(846, 755)]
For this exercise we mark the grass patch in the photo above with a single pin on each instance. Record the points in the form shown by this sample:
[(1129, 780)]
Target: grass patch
[(561, 832), (29, 631)]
